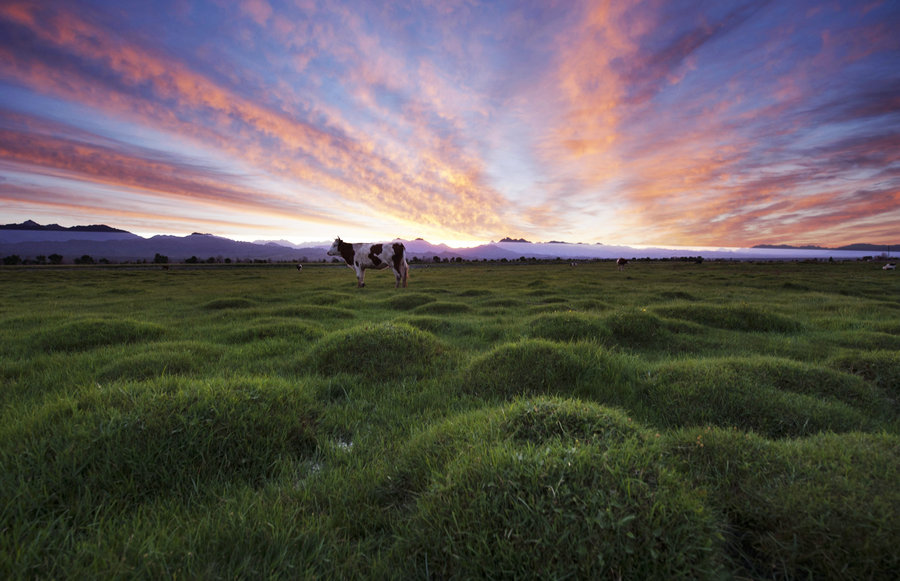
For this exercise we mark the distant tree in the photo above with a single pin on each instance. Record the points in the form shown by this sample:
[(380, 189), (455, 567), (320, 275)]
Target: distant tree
[(12, 260), (85, 259), (191, 260), (211, 260), (436, 259), (55, 259), (41, 259), (227, 261), (160, 259), (104, 261)]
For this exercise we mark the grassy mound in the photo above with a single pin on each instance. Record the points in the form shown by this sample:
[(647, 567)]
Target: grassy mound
[(550, 511), (503, 303), (476, 292), (541, 367), (442, 325), (546, 488), (568, 326), (88, 333), (882, 368), (383, 351), (169, 438), (732, 317), (178, 358), (314, 312), (764, 395), (228, 303), (293, 330), (442, 308), (543, 419), (824, 507), (636, 327), (409, 301)]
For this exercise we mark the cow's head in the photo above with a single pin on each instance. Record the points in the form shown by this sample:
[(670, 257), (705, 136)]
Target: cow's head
[(335, 249)]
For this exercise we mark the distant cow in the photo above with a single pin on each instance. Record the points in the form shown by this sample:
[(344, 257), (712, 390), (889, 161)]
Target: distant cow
[(621, 263), (299, 266), (889, 266), (362, 255)]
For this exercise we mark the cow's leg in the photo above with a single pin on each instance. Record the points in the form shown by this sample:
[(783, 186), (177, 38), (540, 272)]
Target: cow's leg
[(360, 276), (404, 273), (397, 278)]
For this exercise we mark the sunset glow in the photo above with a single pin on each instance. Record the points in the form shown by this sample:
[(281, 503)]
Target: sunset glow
[(635, 122)]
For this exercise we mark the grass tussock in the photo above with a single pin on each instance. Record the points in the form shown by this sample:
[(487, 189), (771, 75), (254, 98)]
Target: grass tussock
[(409, 301), (228, 303), (636, 327), (798, 508), (569, 326), (541, 367), (881, 368), (299, 331), (526, 511), (734, 317), (158, 360), (547, 488), (90, 332), (764, 397), (383, 351)]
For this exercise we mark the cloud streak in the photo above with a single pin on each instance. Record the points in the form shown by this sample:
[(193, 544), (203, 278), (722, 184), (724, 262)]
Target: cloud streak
[(621, 122)]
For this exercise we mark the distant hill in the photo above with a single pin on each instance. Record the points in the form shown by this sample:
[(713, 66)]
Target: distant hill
[(31, 225), (871, 247), (852, 247), (30, 240)]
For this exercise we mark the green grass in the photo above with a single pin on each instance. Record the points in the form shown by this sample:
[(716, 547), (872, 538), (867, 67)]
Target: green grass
[(722, 420)]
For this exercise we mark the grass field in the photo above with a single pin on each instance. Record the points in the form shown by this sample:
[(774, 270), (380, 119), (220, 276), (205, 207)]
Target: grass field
[(675, 420)]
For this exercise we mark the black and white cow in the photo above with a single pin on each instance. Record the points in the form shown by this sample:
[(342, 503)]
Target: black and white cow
[(621, 263), (362, 255)]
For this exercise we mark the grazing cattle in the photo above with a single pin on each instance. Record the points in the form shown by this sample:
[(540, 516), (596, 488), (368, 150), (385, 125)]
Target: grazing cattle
[(621, 263), (362, 255), (299, 266), (889, 266)]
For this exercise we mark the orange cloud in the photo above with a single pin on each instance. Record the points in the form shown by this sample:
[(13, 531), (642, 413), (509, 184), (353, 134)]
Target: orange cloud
[(153, 88)]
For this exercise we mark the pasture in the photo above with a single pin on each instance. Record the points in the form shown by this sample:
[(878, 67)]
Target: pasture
[(674, 420)]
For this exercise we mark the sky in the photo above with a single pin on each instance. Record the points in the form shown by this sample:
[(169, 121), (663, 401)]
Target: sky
[(678, 122)]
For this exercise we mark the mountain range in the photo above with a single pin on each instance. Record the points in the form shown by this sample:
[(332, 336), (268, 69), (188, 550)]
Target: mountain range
[(29, 240)]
